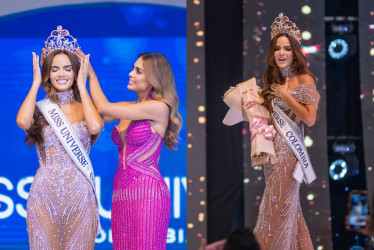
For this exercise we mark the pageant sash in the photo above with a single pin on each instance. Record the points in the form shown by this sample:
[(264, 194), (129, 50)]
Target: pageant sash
[(69, 140), (292, 135)]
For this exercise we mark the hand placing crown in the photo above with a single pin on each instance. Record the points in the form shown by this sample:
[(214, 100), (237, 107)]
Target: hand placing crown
[(282, 24), (60, 39)]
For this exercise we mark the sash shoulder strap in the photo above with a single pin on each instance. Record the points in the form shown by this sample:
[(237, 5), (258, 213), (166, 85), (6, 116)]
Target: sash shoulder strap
[(292, 135), (68, 138)]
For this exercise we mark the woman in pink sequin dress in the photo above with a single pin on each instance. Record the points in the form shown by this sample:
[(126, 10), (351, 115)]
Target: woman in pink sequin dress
[(287, 81), (62, 212), (141, 202)]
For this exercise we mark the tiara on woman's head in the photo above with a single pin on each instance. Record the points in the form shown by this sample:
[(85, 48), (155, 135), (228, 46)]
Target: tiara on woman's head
[(60, 39), (282, 24)]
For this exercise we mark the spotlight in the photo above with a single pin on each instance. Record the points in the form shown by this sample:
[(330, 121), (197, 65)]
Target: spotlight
[(338, 48), (344, 148), (306, 10), (314, 49), (357, 247), (338, 169), (342, 46), (342, 42), (306, 35), (342, 28)]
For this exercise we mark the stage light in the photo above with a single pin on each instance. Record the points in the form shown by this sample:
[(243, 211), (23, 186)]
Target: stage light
[(310, 197), (357, 247), (372, 52), (306, 35), (338, 48), (342, 28), (308, 141), (201, 108), (338, 169), (344, 148), (306, 10), (314, 49)]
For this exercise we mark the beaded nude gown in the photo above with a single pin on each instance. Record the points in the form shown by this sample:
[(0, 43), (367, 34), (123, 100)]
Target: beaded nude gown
[(61, 207), (280, 223), (141, 203)]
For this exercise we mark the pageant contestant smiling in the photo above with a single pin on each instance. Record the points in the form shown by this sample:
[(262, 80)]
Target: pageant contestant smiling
[(62, 211), (291, 97)]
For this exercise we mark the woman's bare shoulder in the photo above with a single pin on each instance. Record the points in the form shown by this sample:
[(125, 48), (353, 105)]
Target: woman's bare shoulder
[(306, 79)]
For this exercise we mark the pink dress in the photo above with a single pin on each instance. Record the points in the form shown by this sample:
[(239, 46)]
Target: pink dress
[(141, 203)]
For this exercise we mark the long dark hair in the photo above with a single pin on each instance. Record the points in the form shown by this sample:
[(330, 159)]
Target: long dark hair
[(159, 74), (34, 134), (272, 73)]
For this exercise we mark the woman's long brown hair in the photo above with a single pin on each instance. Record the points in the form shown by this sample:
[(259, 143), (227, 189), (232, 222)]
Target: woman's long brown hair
[(159, 74), (34, 134), (272, 73)]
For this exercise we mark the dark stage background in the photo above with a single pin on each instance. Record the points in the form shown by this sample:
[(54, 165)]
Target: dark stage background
[(236, 38)]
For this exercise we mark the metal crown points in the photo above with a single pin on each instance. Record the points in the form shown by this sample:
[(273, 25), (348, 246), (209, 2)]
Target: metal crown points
[(282, 24), (61, 39)]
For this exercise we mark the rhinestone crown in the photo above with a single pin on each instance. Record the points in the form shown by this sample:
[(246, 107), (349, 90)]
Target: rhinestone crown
[(282, 24), (61, 39)]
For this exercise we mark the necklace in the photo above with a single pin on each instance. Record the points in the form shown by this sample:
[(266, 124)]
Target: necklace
[(286, 72), (65, 97)]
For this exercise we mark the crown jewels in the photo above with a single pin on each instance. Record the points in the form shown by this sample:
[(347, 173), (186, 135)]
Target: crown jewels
[(61, 39), (282, 24)]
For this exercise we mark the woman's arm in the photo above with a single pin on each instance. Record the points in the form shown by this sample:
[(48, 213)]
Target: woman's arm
[(26, 112), (97, 94), (306, 113), (148, 110), (91, 116)]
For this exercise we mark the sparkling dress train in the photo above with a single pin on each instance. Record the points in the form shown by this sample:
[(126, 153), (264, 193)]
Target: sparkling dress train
[(280, 223), (141, 203), (61, 207)]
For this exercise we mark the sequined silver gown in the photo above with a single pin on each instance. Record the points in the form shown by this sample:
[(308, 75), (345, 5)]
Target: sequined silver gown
[(280, 223), (61, 207)]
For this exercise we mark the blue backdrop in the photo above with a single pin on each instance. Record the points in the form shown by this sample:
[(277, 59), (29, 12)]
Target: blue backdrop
[(114, 35)]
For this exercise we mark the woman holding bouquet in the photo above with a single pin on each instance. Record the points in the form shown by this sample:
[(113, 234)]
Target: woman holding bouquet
[(291, 97)]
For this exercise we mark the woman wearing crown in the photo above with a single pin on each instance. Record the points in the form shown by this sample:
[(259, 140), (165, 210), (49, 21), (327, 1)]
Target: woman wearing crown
[(291, 97), (62, 211)]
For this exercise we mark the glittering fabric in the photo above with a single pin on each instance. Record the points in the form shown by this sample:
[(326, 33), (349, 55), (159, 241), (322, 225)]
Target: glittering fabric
[(141, 203), (65, 97), (287, 71), (305, 93), (61, 207), (280, 222)]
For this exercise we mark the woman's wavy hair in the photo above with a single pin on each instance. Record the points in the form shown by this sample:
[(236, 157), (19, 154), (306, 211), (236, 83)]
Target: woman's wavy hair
[(159, 74), (34, 134), (272, 73)]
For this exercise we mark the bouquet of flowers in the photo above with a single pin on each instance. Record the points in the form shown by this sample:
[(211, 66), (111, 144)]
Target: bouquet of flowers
[(262, 134)]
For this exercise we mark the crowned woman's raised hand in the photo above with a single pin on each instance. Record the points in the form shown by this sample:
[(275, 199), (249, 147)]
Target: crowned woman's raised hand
[(37, 79), (83, 72), (79, 53)]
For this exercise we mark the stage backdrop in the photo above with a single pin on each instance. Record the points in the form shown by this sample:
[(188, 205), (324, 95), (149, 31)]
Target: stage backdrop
[(114, 34)]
